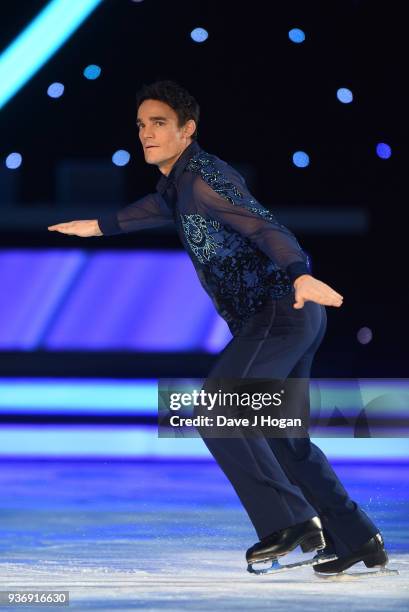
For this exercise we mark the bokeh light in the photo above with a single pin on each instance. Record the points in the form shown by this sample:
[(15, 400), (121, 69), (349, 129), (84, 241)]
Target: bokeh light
[(13, 161), (55, 90), (199, 35), (92, 72), (364, 335), (121, 157), (344, 95), (383, 150), (296, 35), (301, 159)]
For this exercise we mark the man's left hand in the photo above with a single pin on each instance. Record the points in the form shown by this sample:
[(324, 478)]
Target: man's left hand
[(308, 288)]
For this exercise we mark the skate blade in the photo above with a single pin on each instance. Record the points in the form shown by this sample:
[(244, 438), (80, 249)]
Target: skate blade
[(277, 567), (349, 576)]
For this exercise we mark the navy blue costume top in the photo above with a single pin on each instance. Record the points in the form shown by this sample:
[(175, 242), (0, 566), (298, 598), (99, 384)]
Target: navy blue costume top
[(242, 255)]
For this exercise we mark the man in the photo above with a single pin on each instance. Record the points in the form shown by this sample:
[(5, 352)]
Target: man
[(260, 282)]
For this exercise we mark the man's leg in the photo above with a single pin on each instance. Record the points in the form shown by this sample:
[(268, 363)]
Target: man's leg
[(307, 466), (270, 499)]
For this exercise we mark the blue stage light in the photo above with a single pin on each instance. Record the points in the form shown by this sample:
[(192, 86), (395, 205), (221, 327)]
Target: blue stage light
[(55, 90), (296, 35), (134, 397), (39, 41), (383, 150), (121, 157), (301, 159), (344, 95), (92, 72), (73, 395), (199, 35), (73, 300), (99, 441), (13, 161)]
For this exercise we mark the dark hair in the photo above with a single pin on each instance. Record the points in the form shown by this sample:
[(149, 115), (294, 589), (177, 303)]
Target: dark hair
[(176, 96)]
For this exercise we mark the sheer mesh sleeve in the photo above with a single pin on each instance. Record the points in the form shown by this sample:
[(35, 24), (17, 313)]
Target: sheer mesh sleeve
[(224, 197), (147, 212)]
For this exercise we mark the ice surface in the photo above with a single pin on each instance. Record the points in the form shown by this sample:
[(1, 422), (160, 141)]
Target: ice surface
[(173, 536)]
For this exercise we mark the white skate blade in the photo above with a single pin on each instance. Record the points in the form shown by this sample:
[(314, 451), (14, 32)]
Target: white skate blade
[(277, 567), (348, 576)]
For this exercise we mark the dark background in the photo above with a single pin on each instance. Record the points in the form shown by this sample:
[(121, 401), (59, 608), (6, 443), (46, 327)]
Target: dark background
[(262, 97)]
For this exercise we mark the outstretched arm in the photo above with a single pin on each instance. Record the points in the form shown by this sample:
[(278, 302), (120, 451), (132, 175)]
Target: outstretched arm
[(223, 196), (147, 212)]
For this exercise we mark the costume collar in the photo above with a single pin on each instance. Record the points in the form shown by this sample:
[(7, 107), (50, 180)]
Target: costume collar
[(178, 166)]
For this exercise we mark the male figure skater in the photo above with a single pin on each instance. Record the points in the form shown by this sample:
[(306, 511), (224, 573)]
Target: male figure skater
[(260, 282)]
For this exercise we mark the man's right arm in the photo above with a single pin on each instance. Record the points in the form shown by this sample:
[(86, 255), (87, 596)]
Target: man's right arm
[(147, 212)]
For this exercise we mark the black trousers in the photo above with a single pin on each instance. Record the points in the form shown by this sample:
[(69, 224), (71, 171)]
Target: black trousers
[(285, 481)]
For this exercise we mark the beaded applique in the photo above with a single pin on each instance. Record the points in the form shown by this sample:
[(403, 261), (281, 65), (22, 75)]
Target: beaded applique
[(199, 235)]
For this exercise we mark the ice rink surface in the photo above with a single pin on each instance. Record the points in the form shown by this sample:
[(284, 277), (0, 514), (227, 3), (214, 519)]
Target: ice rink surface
[(172, 536)]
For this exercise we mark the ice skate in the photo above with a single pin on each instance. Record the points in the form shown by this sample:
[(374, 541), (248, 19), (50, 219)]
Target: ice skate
[(372, 554), (308, 535)]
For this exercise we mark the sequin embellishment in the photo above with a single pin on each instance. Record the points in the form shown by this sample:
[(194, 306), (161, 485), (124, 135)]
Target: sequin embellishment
[(198, 233)]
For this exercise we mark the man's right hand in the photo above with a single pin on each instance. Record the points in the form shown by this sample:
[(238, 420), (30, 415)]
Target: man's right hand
[(85, 228), (308, 288)]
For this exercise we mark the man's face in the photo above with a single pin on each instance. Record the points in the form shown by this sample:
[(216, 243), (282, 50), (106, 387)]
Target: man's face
[(162, 139)]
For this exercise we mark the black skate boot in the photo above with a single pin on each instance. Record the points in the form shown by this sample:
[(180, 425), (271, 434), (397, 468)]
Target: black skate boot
[(372, 553), (308, 535)]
